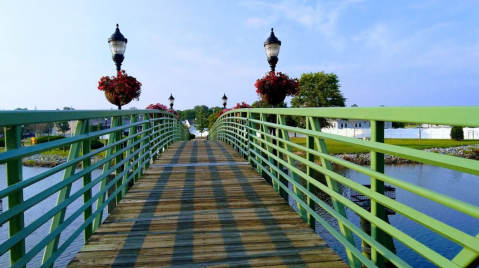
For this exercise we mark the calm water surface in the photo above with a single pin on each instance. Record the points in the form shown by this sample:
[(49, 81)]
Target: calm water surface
[(458, 185), (451, 183), (38, 210)]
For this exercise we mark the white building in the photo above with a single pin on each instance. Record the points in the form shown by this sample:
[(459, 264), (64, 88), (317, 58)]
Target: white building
[(353, 123)]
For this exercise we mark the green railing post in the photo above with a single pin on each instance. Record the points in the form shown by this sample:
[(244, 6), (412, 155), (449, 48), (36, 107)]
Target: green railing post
[(332, 184), (65, 192), (106, 167), (15, 175), (311, 173), (285, 136), (377, 164), (86, 147), (270, 157), (118, 158)]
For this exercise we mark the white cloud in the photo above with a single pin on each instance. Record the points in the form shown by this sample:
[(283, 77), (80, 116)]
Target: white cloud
[(322, 17)]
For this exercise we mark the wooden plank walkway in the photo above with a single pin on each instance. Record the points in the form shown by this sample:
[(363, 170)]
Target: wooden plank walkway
[(202, 205)]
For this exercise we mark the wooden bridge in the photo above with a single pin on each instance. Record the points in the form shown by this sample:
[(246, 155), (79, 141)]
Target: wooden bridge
[(201, 204)]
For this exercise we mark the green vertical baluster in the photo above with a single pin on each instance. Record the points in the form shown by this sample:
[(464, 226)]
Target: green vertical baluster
[(137, 155), (15, 175), (270, 158), (131, 132), (148, 145), (118, 158), (377, 164), (332, 184), (311, 173), (65, 192), (144, 134), (285, 136), (86, 147), (280, 155), (106, 167)]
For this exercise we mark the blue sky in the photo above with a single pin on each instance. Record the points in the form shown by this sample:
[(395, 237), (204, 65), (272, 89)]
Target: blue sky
[(393, 53)]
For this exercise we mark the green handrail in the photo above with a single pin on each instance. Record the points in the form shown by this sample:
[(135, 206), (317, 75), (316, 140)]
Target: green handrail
[(150, 131), (262, 136)]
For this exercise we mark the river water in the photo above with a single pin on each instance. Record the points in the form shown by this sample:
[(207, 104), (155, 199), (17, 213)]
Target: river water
[(461, 186), (455, 184)]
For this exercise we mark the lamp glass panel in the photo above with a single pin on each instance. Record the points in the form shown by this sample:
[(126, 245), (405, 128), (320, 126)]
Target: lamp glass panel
[(272, 50), (117, 47)]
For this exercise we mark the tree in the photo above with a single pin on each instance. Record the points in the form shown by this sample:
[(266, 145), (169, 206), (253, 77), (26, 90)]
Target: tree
[(398, 125), (318, 90), (457, 133), (48, 127), (213, 117), (62, 127), (201, 121)]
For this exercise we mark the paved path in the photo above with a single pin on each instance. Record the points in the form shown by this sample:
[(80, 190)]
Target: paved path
[(202, 205)]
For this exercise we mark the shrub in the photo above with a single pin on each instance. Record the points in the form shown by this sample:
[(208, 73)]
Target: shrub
[(96, 143), (49, 138), (2, 142), (457, 133), (192, 136)]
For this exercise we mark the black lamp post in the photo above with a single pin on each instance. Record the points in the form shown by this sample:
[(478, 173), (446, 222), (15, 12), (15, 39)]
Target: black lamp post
[(106, 123), (171, 100), (271, 46), (225, 99), (117, 46)]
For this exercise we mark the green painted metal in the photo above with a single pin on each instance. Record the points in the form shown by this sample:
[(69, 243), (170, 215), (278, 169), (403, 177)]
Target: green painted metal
[(14, 176), (260, 147), (137, 154)]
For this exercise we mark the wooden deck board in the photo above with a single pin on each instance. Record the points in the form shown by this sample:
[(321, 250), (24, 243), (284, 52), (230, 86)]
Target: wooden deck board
[(201, 205)]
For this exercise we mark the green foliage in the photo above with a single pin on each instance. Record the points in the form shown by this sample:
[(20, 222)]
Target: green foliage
[(192, 136), (96, 143), (62, 127), (318, 90), (457, 133), (398, 125), (213, 117), (201, 120), (49, 138)]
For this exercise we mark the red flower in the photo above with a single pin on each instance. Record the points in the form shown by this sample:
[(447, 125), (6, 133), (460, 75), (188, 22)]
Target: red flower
[(242, 105), (124, 86), (272, 83)]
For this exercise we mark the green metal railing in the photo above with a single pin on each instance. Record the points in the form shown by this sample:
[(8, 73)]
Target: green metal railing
[(124, 161), (262, 136)]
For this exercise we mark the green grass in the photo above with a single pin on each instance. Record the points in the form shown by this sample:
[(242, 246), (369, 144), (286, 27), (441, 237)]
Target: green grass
[(335, 147)]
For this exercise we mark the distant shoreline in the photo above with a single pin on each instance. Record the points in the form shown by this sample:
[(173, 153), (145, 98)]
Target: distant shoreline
[(52, 160)]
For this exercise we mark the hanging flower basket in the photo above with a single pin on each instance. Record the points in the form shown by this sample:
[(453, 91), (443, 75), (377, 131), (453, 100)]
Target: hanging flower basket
[(120, 90), (274, 87), (274, 99), (111, 97)]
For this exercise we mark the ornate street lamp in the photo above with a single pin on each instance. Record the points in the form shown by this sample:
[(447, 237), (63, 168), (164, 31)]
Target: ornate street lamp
[(117, 46), (225, 99), (171, 100), (271, 46)]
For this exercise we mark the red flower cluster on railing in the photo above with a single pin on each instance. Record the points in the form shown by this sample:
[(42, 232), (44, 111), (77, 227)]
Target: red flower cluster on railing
[(124, 87), (242, 105), (174, 112), (157, 106), (224, 111), (162, 107)]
